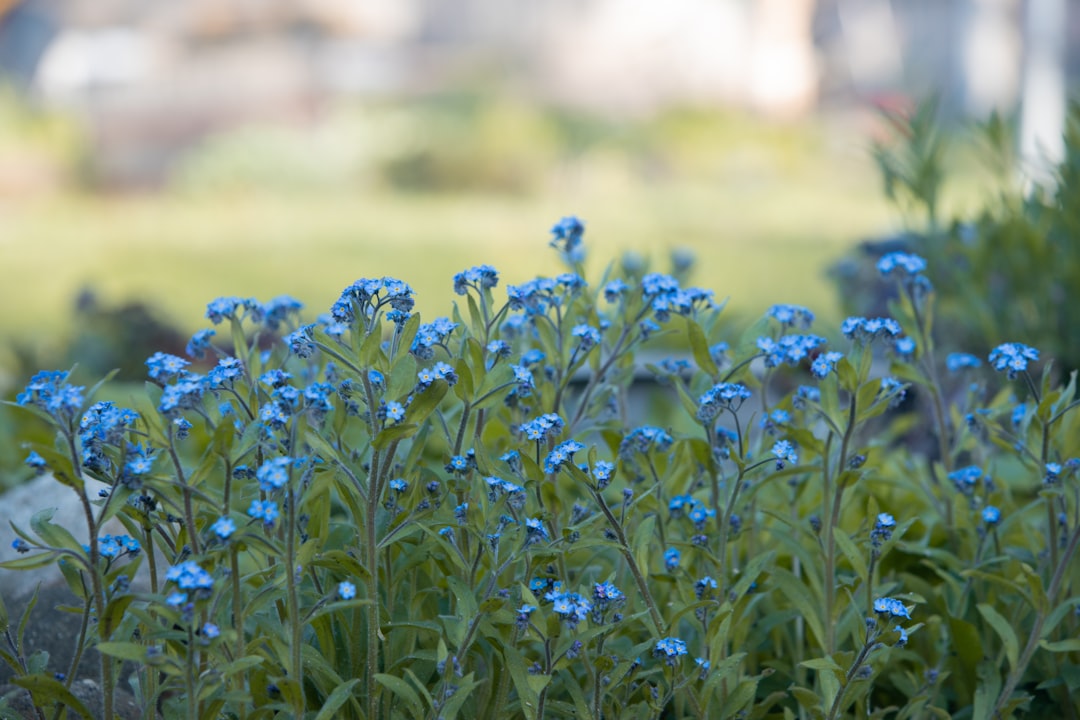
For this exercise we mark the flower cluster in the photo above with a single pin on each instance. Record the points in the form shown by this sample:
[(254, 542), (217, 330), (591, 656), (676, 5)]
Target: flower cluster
[(1012, 358), (670, 649)]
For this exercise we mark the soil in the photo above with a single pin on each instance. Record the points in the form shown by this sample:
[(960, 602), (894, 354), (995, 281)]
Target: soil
[(53, 630)]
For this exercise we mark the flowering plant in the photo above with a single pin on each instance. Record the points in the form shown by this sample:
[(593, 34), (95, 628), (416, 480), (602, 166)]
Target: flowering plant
[(374, 516)]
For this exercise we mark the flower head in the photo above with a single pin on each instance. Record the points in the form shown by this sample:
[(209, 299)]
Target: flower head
[(670, 649), (224, 527), (346, 590), (1012, 358), (785, 452)]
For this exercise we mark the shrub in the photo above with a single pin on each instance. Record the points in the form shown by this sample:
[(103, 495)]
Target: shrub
[(1011, 268), (374, 516)]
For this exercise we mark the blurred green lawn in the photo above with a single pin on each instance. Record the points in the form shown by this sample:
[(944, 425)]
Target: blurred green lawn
[(766, 209)]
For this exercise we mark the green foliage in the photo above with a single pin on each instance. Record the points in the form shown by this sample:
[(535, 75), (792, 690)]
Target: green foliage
[(1010, 270), (376, 517)]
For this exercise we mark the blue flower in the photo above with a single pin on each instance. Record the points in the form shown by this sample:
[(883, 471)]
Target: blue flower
[(643, 439), (50, 391), (560, 455), (542, 427), (273, 474), (699, 515), (139, 465), (785, 452), (300, 342), (1053, 472), (824, 364), (603, 471), (966, 478), (956, 362), (587, 335), (904, 347), (458, 464), (724, 396), (267, 511), (189, 575), (894, 390), (883, 529), (36, 461), (224, 527), (376, 378), (210, 631), (185, 394), (566, 236), (346, 590), (670, 649), (703, 585), (672, 556), (791, 315), (225, 372), (200, 343), (615, 289), (223, 308), (891, 607), (393, 412), (907, 264), (479, 277), (991, 515), (864, 330), (1012, 357), (534, 531)]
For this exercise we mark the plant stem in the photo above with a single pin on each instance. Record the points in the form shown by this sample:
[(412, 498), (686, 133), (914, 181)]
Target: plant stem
[(1036, 631), (295, 626), (838, 700), (639, 579)]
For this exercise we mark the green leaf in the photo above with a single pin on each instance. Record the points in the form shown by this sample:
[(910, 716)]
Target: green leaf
[(1004, 630), (824, 664), (31, 561), (47, 690), (408, 332), (466, 600), (699, 345), (851, 552), (1058, 615), (370, 349), (240, 665), (464, 388), (53, 535), (394, 432), (528, 693), (114, 613), (740, 697), (800, 596), (124, 651), (1070, 645), (424, 403), (340, 695)]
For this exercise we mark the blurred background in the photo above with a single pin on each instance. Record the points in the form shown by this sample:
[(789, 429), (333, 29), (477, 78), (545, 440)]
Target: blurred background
[(157, 154)]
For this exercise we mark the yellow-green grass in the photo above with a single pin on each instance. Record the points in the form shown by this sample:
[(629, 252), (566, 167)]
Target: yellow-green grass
[(764, 221)]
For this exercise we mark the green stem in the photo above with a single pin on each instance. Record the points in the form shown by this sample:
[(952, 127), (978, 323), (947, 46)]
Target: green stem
[(859, 659), (295, 626), (1036, 631), (643, 587)]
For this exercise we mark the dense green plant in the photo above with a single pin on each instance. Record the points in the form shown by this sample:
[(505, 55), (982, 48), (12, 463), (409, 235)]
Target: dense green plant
[(372, 516), (1012, 269)]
